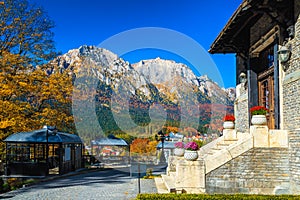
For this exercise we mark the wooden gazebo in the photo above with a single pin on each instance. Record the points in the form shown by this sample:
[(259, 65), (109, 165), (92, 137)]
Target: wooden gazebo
[(35, 153)]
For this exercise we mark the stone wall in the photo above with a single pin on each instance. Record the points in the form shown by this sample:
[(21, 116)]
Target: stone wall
[(291, 84), (294, 141), (259, 170), (291, 104)]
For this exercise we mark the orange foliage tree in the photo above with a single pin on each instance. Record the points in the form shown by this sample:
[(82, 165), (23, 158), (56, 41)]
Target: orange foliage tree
[(143, 146), (29, 96)]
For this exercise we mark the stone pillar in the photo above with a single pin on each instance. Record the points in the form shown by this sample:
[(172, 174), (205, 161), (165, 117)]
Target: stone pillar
[(172, 162), (241, 109), (260, 135), (190, 176), (229, 134)]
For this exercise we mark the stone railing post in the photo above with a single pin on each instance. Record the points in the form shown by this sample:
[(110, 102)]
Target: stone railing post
[(190, 176)]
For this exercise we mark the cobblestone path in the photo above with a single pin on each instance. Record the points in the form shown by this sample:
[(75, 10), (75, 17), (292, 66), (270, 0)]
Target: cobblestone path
[(103, 185)]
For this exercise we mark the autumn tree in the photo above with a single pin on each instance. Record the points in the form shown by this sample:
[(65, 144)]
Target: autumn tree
[(30, 96), (143, 146), (26, 32), (30, 100), (151, 147)]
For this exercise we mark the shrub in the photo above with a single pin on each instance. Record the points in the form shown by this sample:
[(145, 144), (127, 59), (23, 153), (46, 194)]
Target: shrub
[(200, 143), (213, 196)]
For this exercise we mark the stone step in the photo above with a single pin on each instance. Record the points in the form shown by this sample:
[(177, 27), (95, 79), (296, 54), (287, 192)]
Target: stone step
[(231, 140), (160, 186), (215, 149), (223, 144), (169, 182)]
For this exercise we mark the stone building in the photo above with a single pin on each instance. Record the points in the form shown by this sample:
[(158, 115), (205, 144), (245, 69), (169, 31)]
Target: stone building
[(265, 36), (257, 33)]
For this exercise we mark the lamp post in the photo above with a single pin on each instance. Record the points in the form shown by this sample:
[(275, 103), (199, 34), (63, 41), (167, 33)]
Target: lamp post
[(160, 136), (53, 131)]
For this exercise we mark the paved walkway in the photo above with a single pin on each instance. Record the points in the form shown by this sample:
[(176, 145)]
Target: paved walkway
[(111, 184)]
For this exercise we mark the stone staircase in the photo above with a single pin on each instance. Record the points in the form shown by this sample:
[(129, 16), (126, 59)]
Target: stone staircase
[(227, 147), (211, 156), (189, 176)]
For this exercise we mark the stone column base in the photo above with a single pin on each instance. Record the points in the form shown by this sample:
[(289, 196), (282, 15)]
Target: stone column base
[(190, 176), (260, 135), (229, 134)]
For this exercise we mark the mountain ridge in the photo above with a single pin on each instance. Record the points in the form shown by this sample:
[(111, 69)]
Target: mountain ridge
[(146, 83)]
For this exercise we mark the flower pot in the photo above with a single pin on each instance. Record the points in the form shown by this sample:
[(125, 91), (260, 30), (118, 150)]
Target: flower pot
[(179, 152), (259, 120), (228, 125), (190, 155)]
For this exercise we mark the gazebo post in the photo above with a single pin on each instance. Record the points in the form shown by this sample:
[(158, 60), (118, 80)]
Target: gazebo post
[(6, 145), (47, 152), (61, 167)]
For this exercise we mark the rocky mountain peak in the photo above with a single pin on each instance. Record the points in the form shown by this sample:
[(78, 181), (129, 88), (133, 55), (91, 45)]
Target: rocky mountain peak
[(166, 75), (160, 71)]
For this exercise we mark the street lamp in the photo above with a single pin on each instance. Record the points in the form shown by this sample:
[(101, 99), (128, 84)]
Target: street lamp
[(160, 136), (49, 130)]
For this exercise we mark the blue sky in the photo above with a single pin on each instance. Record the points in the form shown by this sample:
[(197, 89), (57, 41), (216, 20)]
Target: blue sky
[(90, 22)]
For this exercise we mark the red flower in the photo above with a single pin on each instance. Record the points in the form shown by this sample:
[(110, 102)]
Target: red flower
[(258, 110), (229, 118)]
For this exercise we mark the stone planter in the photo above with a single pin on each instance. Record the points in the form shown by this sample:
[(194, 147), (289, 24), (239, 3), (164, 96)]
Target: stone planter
[(179, 152), (190, 155), (228, 125), (259, 120)]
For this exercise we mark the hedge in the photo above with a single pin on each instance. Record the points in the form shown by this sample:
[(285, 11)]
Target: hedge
[(214, 196)]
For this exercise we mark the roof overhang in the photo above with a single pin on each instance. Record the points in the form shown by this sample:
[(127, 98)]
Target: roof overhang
[(226, 40), (234, 38)]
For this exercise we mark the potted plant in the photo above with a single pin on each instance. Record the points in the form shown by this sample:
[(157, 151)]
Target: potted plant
[(179, 149), (258, 114), (228, 122), (190, 152)]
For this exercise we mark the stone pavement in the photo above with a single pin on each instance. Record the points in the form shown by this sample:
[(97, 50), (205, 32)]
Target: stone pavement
[(110, 184)]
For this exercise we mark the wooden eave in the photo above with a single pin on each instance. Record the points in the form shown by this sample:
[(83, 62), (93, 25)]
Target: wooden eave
[(232, 38)]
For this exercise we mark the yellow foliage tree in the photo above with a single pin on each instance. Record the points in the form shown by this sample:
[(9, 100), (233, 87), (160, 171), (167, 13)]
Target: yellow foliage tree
[(29, 100), (30, 97), (151, 147), (143, 146)]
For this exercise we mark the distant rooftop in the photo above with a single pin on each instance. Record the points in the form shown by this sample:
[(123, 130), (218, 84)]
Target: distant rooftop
[(167, 145), (111, 140)]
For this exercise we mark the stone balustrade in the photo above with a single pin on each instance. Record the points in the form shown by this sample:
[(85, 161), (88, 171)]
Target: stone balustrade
[(204, 175)]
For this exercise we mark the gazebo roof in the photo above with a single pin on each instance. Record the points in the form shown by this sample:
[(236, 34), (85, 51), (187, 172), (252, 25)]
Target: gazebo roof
[(39, 136), (110, 141)]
